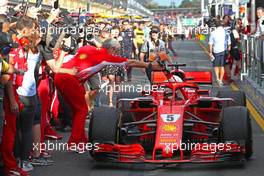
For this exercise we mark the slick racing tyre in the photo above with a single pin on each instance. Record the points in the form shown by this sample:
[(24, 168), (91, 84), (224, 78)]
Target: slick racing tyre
[(238, 96), (103, 127), (236, 126), (126, 105)]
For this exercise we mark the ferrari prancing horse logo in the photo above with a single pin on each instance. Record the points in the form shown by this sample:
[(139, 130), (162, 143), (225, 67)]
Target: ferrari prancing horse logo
[(169, 128), (83, 56)]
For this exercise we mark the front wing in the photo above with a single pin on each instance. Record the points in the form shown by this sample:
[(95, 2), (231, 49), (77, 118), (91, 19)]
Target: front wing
[(135, 153)]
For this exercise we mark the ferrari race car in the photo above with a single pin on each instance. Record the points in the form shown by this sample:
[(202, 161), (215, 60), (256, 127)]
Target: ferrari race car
[(176, 123)]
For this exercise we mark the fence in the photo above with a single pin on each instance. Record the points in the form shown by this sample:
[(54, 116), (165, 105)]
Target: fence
[(253, 59)]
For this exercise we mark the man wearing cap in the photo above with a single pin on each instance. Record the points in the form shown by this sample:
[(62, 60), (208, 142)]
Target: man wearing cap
[(153, 49)]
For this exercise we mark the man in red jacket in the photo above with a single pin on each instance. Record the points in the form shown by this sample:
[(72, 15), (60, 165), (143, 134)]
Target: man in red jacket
[(89, 60)]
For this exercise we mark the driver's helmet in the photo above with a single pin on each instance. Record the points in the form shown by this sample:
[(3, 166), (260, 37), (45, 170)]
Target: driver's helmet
[(175, 79)]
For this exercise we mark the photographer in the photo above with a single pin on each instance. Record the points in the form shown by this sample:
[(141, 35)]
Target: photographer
[(51, 41), (153, 49), (46, 48)]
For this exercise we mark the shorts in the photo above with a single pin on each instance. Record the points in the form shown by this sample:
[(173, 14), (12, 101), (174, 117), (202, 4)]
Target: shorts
[(219, 59), (235, 54), (128, 54), (30, 108), (94, 82)]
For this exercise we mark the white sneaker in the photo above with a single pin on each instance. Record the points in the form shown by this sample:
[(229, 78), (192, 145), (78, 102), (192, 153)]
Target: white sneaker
[(220, 83), (26, 166)]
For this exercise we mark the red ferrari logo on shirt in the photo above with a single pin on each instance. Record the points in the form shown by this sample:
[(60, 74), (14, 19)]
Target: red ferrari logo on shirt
[(82, 56)]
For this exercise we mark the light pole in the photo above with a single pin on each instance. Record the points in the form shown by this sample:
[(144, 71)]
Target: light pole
[(237, 8), (216, 7), (209, 7), (202, 12), (89, 6), (113, 4), (253, 15)]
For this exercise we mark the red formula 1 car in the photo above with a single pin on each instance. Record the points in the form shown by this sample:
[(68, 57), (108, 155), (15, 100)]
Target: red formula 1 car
[(175, 123)]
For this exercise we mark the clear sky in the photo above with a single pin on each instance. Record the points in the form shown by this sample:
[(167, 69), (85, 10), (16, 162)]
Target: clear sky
[(167, 2)]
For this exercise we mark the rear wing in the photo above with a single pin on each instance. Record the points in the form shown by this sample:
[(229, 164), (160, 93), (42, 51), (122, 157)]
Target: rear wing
[(198, 77)]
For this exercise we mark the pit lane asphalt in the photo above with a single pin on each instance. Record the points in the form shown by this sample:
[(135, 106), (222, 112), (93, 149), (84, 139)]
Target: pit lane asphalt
[(73, 164)]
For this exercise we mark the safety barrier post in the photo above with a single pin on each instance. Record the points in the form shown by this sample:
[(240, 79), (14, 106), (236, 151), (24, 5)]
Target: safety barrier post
[(244, 63), (262, 63), (252, 59), (258, 60)]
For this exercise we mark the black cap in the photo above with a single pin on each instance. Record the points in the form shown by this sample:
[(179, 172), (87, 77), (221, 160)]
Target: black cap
[(155, 29)]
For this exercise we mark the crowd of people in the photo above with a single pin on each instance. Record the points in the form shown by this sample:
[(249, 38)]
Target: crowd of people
[(50, 77), (39, 69), (225, 45)]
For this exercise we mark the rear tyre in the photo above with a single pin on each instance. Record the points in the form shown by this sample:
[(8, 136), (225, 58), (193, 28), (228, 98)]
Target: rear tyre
[(238, 96), (236, 126), (126, 105)]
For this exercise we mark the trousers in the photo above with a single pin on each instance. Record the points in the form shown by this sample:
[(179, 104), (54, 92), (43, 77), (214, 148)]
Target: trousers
[(73, 93)]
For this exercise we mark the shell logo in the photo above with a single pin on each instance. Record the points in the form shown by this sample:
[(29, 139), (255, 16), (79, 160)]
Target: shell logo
[(169, 128), (83, 56)]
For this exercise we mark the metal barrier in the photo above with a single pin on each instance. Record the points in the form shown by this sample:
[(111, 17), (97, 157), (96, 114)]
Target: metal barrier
[(253, 59)]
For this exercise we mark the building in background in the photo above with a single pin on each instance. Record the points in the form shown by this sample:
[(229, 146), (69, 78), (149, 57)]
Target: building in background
[(135, 8), (223, 7), (116, 7), (106, 7), (172, 15), (245, 9)]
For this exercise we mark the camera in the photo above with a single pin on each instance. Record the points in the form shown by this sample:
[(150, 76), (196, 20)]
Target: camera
[(70, 28), (6, 43), (89, 37)]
